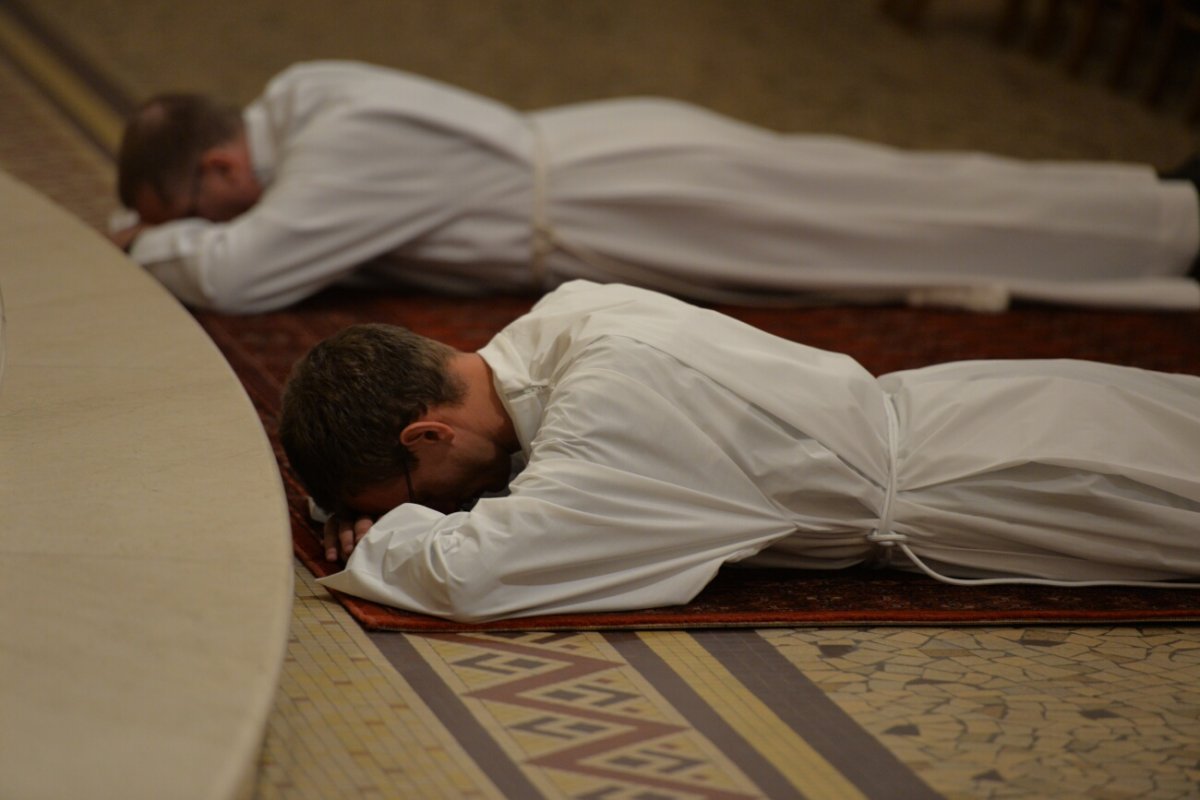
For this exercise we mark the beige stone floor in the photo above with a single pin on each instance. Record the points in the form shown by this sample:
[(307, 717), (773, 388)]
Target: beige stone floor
[(1021, 712), (345, 720)]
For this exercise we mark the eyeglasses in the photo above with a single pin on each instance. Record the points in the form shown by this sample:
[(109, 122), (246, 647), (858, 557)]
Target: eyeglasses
[(192, 209), (377, 499), (412, 497)]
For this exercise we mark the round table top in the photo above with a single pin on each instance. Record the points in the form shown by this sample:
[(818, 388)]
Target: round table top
[(146, 570)]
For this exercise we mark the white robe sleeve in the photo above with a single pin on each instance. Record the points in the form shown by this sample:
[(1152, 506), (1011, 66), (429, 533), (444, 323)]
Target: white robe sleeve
[(357, 175), (620, 543), (334, 210), (625, 504)]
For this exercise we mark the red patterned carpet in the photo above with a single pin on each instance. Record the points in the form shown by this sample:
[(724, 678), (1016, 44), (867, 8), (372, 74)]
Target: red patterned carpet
[(262, 348)]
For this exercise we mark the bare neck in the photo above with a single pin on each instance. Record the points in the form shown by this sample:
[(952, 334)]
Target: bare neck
[(481, 409)]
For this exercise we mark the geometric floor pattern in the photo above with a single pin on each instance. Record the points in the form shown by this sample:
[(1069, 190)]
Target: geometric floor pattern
[(988, 712), (959, 712), (567, 708), (346, 724), (822, 713), (982, 712)]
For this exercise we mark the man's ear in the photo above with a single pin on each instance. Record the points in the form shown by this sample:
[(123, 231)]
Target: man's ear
[(426, 432)]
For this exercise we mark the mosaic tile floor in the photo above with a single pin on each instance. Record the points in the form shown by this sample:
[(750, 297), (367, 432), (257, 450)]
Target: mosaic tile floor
[(1009, 712), (821, 713), (345, 720)]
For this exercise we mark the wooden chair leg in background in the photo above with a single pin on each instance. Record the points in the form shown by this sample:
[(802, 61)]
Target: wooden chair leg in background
[(1084, 37), (1012, 21), (1167, 42), (1137, 13), (1133, 17), (907, 13), (1048, 28)]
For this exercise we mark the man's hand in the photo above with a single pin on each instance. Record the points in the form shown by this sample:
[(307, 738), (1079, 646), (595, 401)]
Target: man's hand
[(341, 535), (125, 237)]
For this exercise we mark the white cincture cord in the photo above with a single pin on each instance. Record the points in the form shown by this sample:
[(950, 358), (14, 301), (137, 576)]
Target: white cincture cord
[(883, 535), (889, 540)]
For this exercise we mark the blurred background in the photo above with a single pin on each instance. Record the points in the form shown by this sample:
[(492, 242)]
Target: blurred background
[(1041, 78)]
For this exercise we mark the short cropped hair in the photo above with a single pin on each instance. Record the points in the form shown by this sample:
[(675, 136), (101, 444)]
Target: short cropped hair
[(347, 401), (165, 138)]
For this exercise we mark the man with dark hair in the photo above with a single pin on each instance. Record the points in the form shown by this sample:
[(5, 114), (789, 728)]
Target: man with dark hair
[(372, 378), (172, 141), (662, 441), (344, 169)]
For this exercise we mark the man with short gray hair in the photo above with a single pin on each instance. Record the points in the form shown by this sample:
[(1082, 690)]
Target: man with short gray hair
[(345, 171)]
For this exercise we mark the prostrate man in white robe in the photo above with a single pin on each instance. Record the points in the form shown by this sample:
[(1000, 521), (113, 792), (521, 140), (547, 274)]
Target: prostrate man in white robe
[(662, 441), (346, 170)]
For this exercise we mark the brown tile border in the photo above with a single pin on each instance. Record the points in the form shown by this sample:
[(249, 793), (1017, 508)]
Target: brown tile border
[(454, 714), (701, 716), (849, 748)]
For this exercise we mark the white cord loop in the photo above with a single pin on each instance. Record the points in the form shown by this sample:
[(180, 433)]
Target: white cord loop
[(889, 541)]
